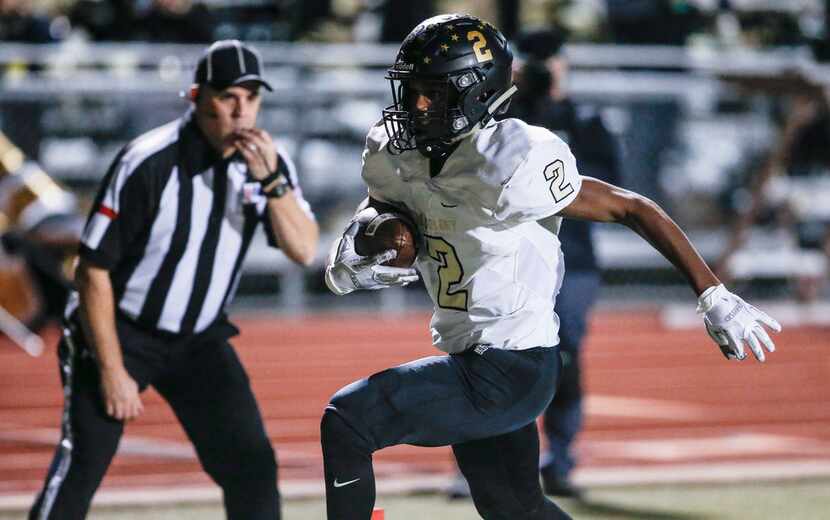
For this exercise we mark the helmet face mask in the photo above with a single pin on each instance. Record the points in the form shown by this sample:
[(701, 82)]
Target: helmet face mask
[(452, 73), (422, 110)]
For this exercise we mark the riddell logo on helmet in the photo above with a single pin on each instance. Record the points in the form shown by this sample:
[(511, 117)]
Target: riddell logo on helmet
[(404, 66)]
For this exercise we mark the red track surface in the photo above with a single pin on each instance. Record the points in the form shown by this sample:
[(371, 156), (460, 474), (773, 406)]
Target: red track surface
[(658, 398)]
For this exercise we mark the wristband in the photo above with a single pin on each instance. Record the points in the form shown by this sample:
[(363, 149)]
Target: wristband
[(270, 178), (281, 187), (279, 182)]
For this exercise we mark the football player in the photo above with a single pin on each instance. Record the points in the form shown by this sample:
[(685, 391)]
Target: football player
[(488, 198)]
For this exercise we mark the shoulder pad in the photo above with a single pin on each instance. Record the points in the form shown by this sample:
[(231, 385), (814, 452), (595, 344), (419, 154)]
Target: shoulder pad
[(502, 147), (545, 182), (377, 138)]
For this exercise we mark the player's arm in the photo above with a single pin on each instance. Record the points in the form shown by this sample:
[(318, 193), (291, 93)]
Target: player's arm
[(729, 320), (602, 202), (119, 390)]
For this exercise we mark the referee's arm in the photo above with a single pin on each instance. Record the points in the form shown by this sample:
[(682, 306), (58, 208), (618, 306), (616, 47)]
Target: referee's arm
[(293, 229), (292, 226), (121, 211), (119, 390)]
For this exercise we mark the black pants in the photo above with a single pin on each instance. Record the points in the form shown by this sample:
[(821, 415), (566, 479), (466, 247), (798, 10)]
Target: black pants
[(206, 386), (483, 404)]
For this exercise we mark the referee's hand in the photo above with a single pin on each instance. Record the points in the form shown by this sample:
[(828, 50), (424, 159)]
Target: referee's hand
[(258, 149), (120, 393)]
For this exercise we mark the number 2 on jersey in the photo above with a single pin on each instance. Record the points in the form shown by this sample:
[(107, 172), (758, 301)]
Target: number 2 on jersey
[(555, 174), (450, 272)]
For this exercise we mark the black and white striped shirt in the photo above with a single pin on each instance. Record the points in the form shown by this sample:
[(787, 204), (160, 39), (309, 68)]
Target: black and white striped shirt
[(172, 223)]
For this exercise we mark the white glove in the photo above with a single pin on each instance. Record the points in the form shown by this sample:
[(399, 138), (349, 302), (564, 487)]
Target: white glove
[(347, 271), (730, 321)]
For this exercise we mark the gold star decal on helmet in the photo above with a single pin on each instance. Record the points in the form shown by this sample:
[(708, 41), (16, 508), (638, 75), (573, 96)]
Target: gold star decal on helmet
[(445, 47), (427, 60), (454, 37)]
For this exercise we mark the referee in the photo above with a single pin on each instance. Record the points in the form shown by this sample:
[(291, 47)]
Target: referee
[(159, 261)]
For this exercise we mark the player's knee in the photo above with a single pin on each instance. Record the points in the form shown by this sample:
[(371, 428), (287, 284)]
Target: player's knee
[(339, 434)]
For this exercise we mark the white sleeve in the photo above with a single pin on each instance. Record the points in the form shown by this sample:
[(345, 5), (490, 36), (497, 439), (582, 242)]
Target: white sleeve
[(372, 175), (544, 184), (376, 167)]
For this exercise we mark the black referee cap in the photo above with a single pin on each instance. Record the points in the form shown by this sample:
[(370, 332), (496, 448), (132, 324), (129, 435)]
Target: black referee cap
[(229, 62)]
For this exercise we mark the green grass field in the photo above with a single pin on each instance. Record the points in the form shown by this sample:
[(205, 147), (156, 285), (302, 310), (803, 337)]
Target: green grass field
[(790, 500)]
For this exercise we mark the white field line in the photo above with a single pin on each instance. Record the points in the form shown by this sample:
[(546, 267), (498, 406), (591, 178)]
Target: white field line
[(132, 445), (676, 450), (589, 477), (716, 472), (646, 408), (135, 446)]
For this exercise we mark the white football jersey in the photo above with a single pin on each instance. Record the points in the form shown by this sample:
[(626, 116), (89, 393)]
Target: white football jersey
[(491, 268)]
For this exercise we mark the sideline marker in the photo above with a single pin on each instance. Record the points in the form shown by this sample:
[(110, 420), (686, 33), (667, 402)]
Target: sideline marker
[(377, 514)]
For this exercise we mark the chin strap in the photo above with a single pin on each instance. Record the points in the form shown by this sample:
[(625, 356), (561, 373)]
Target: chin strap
[(499, 101)]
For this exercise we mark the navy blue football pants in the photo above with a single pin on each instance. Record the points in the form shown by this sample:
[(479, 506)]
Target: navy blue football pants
[(207, 388), (563, 417), (484, 405)]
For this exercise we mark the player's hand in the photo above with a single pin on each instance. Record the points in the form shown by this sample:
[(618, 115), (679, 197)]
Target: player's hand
[(258, 149), (120, 393), (348, 271), (731, 322)]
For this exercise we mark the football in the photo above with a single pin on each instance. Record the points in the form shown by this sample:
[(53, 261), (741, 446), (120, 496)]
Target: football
[(387, 230)]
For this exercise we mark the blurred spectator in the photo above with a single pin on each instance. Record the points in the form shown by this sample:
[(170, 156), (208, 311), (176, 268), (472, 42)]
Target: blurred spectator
[(543, 100), (18, 23), (791, 188), (179, 21), (307, 16), (103, 20), (727, 25), (770, 28), (160, 21), (398, 18), (251, 21), (666, 22), (401, 17), (821, 43), (509, 17)]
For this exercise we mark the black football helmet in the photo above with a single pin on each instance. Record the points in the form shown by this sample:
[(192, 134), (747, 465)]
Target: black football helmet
[(462, 65)]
